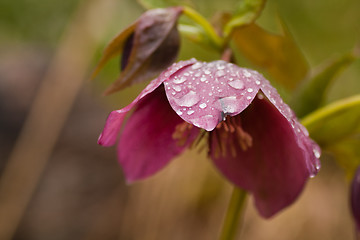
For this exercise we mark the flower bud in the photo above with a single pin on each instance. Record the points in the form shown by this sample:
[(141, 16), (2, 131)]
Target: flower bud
[(148, 47)]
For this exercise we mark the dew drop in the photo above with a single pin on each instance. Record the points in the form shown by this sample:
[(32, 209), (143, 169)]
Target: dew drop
[(316, 153), (248, 97), (179, 80), (207, 72), (220, 67), (188, 100), (190, 112), (179, 113), (220, 73), (203, 79), (247, 73), (250, 90), (177, 88), (196, 66), (203, 105), (237, 84), (257, 82)]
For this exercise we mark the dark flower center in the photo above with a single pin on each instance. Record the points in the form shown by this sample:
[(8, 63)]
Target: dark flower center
[(230, 136)]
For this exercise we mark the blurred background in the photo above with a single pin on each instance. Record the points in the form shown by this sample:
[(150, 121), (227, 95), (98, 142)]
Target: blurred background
[(57, 183)]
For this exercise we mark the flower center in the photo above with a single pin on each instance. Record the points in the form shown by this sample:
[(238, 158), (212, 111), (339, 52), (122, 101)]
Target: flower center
[(230, 136), (183, 134)]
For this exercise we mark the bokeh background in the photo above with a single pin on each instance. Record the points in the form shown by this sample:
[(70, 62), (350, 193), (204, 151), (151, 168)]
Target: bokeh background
[(57, 183)]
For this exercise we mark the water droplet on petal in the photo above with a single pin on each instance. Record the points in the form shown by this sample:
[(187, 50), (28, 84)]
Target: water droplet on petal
[(220, 73), (207, 72), (179, 112), (316, 153), (257, 82), (250, 90), (247, 73), (177, 88), (188, 100), (237, 84), (190, 112), (196, 66), (203, 105), (203, 79), (179, 80), (248, 97)]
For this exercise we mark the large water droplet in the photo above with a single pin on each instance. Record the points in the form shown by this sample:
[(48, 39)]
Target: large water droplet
[(229, 104), (179, 80), (220, 73), (188, 100), (177, 88), (247, 73), (237, 84), (190, 112), (316, 153), (196, 66), (203, 105), (207, 122)]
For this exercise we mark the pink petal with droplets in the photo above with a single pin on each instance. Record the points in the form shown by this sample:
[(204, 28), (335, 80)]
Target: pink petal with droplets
[(204, 93)]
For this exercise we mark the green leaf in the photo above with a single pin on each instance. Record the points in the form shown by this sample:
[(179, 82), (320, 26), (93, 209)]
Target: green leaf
[(336, 128), (149, 4), (313, 93), (335, 121), (279, 55), (246, 13)]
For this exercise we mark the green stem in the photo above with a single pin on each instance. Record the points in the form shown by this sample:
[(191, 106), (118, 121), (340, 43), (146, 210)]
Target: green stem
[(233, 215), (207, 27)]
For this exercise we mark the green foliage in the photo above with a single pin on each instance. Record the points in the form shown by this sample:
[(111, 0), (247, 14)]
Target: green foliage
[(246, 12), (336, 127), (279, 55), (34, 20), (313, 93)]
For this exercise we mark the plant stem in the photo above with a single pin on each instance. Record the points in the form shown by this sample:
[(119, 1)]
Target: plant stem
[(233, 215), (216, 40)]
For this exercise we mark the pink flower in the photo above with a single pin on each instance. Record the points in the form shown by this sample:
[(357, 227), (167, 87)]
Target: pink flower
[(254, 138)]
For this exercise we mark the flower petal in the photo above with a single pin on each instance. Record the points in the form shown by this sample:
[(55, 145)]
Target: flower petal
[(146, 145), (275, 167), (205, 93), (114, 121)]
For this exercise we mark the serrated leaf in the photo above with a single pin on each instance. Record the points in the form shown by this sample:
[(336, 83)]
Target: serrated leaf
[(313, 93), (279, 55), (246, 12), (336, 128)]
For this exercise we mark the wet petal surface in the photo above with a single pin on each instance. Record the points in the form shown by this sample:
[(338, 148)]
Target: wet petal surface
[(204, 93)]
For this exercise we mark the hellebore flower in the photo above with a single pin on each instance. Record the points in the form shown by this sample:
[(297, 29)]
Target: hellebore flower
[(254, 138), (355, 200), (148, 47)]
